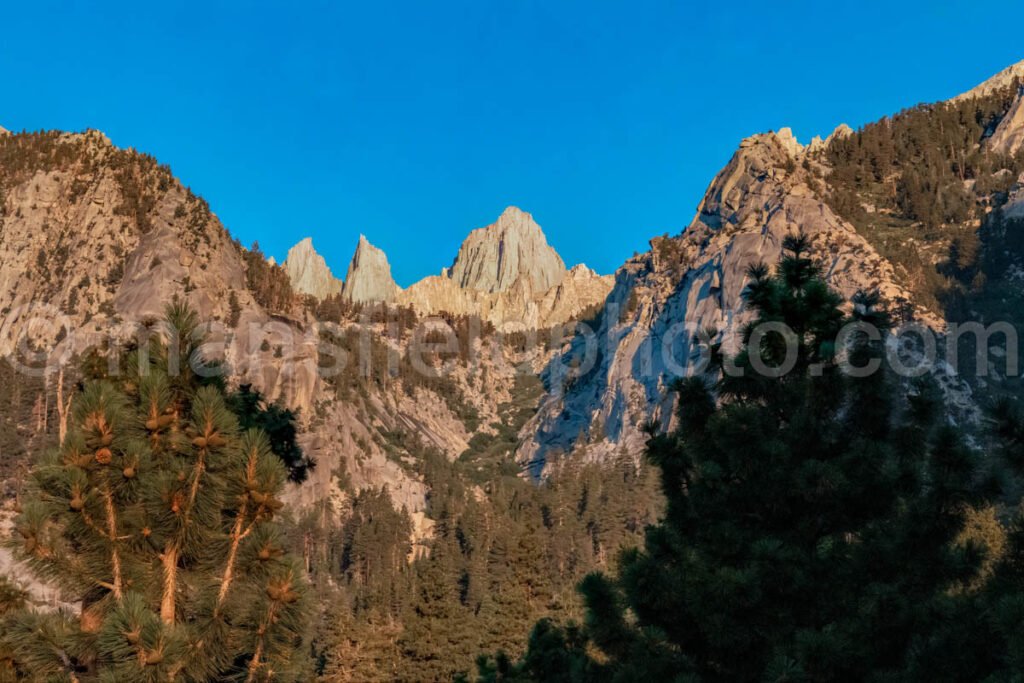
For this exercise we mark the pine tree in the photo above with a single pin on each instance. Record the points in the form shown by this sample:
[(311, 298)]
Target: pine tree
[(810, 525), (157, 517)]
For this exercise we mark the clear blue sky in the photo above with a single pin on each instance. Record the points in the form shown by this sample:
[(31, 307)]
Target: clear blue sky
[(414, 122)]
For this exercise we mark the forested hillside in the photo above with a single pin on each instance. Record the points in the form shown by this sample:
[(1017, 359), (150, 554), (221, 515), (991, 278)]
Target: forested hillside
[(920, 184)]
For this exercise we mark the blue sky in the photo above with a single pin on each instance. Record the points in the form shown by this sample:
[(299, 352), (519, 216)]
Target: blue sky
[(414, 122)]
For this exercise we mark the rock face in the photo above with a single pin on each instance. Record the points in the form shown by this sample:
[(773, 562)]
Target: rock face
[(1008, 137), (1000, 80), (1014, 207), (519, 307), (513, 249), (4, 131), (369, 275), (308, 271), (505, 273), (687, 284), (817, 144)]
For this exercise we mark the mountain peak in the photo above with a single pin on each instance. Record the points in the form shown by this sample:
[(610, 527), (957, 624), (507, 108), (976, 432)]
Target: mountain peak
[(1000, 80), (582, 271), (369, 275), (510, 250), (514, 213), (308, 271)]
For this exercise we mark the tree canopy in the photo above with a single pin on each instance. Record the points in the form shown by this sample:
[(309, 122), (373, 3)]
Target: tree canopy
[(157, 517)]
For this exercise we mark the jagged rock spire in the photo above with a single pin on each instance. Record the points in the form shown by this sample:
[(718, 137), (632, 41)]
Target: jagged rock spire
[(369, 275), (512, 249), (308, 271)]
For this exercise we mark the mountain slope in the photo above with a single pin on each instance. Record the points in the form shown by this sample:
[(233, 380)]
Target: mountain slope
[(95, 240), (895, 207), (93, 233), (688, 284)]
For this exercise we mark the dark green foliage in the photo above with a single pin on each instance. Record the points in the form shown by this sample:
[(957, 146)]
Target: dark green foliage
[(253, 412), (505, 553), (809, 530), (157, 517)]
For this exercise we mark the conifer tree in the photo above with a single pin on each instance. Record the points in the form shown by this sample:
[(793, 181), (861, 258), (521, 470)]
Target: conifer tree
[(810, 522), (157, 517)]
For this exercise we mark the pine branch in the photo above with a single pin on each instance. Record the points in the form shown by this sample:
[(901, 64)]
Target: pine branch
[(169, 561), (115, 557)]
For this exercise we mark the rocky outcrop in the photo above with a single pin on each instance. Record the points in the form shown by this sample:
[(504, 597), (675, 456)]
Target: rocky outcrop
[(606, 385), (511, 250), (1014, 207), (1008, 137), (997, 82), (369, 275), (4, 131), (505, 273), (308, 271), (818, 145)]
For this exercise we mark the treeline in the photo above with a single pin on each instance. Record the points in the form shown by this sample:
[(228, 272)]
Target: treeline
[(504, 553)]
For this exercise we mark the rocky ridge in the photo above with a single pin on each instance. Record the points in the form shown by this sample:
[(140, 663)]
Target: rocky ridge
[(506, 273), (509, 275), (1000, 80), (691, 283), (81, 242)]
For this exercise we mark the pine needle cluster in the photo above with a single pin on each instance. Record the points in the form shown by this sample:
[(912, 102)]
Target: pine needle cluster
[(157, 519)]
